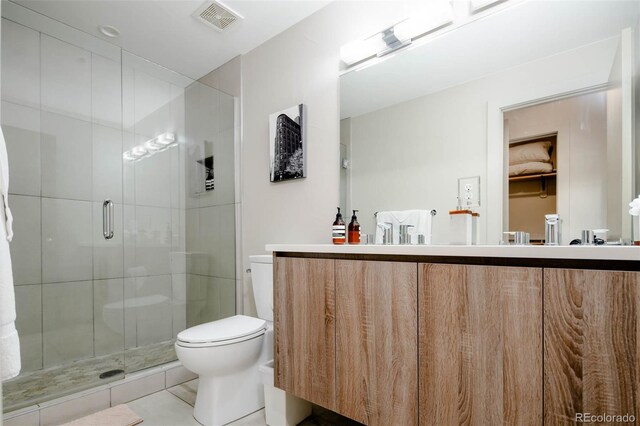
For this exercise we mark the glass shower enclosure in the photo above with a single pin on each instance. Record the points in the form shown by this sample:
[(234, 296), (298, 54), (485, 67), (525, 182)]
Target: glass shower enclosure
[(123, 196)]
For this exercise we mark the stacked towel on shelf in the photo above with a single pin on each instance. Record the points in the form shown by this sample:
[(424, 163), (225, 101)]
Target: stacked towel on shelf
[(530, 168), (420, 219), (530, 158), (9, 341)]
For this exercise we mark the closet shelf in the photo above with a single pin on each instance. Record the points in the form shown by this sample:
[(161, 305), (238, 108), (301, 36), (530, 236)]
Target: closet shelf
[(531, 177)]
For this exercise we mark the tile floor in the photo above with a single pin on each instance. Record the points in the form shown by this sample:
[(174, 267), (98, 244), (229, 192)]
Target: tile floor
[(174, 407)]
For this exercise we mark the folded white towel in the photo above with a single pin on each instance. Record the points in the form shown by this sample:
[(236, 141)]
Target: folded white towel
[(9, 342), (530, 168), (420, 219)]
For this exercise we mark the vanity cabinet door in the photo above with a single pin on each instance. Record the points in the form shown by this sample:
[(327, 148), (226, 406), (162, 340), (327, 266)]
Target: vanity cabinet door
[(591, 344), (304, 317), (376, 342), (480, 345)]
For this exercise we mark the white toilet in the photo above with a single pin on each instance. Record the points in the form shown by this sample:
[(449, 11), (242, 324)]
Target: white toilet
[(226, 355)]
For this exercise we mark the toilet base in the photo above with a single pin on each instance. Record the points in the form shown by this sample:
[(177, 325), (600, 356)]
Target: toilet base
[(223, 399)]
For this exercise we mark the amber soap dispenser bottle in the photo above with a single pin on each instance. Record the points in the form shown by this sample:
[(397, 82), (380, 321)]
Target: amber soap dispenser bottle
[(339, 229), (354, 230)]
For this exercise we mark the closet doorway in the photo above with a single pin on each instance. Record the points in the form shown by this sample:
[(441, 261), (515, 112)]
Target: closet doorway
[(560, 159)]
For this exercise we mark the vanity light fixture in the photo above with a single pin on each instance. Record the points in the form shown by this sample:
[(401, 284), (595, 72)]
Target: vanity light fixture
[(150, 147), (373, 61), (378, 45), (436, 15), (360, 50)]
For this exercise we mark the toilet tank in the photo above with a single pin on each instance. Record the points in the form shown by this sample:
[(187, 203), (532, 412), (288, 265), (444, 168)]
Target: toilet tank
[(262, 278)]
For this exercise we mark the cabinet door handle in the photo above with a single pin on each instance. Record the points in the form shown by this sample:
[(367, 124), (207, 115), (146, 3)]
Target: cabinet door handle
[(107, 219)]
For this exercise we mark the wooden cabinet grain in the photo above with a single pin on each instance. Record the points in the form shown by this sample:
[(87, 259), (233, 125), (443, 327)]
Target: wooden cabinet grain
[(591, 344), (304, 328), (386, 342), (480, 345), (376, 342)]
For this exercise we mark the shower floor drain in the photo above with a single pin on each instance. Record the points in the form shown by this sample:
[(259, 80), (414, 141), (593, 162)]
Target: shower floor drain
[(111, 373)]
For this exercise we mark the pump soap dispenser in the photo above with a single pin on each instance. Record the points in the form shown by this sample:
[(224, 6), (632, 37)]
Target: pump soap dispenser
[(339, 229), (354, 230)]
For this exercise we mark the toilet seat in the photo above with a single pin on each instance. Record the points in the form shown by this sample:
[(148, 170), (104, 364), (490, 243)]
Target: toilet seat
[(226, 331)]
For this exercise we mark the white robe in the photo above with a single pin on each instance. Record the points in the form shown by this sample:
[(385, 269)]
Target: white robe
[(9, 341)]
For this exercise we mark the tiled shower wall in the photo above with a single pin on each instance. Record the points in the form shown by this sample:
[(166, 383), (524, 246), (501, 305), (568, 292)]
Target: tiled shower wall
[(210, 215), (68, 114)]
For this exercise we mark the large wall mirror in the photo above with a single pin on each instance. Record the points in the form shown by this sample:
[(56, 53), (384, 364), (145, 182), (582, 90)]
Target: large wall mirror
[(536, 98)]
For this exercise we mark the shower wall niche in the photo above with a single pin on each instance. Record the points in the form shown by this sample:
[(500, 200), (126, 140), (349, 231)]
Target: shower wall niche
[(94, 130)]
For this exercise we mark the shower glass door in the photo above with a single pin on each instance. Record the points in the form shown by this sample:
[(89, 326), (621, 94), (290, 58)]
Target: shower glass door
[(61, 115)]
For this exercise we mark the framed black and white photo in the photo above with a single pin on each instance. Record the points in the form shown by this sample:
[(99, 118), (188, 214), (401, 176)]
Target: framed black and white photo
[(287, 144)]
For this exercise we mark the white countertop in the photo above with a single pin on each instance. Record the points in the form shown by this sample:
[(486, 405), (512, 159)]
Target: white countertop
[(543, 252)]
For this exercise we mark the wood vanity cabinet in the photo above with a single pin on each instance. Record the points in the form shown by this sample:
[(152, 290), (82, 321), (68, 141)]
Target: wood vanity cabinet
[(376, 342), (480, 345), (348, 341), (591, 344), (406, 343), (304, 328)]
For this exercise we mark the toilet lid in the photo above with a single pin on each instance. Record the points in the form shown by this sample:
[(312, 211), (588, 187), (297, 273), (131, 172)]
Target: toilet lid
[(224, 329)]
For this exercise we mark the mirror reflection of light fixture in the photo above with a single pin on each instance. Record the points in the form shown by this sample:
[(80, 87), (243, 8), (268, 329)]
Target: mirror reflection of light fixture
[(166, 139), (150, 147), (139, 151), (128, 156), (434, 15)]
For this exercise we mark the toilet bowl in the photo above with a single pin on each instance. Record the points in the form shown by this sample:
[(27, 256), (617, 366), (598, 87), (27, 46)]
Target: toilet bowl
[(226, 355)]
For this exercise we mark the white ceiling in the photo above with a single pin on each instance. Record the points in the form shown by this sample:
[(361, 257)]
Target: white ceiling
[(164, 31), (514, 36)]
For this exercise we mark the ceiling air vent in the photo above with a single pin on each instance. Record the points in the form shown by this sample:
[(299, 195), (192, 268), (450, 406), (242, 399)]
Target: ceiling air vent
[(217, 15)]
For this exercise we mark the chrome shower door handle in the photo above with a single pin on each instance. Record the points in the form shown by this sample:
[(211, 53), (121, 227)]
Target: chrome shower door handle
[(107, 219)]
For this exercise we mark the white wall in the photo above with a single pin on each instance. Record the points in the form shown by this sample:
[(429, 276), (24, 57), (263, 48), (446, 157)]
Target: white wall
[(300, 65), (410, 155), (290, 69), (636, 53), (581, 124)]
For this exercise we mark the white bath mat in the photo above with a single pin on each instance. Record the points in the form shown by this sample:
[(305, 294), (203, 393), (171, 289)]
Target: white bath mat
[(120, 415)]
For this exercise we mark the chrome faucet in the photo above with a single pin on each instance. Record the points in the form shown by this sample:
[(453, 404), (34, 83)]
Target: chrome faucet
[(387, 232), (405, 237), (520, 238), (552, 230)]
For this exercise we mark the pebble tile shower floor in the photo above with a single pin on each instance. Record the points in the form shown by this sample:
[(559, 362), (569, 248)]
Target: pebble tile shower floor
[(37, 386)]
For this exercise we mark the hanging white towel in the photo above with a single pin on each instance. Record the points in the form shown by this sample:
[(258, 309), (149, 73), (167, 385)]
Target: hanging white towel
[(420, 219), (9, 341)]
